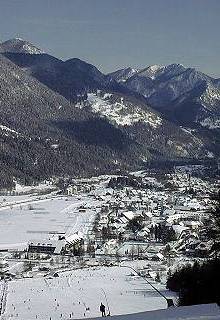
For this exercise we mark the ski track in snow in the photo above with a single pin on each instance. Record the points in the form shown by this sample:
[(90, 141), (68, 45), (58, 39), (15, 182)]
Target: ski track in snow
[(79, 293)]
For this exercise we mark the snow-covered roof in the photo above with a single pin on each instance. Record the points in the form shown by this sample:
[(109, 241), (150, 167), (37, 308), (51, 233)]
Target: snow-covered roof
[(123, 220), (128, 214), (160, 256), (181, 208), (3, 262), (169, 212), (148, 214), (192, 223), (74, 237), (146, 229), (179, 229)]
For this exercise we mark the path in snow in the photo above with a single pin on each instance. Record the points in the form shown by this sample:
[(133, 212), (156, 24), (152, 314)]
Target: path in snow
[(3, 295)]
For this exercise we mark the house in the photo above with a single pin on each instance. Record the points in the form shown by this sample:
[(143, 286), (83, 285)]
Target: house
[(46, 246), (104, 219), (129, 215), (168, 212), (71, 190), (74, 238), (3, 263), (202, 249), (194, 225), (147, 215), (143, 234), (180, 230)]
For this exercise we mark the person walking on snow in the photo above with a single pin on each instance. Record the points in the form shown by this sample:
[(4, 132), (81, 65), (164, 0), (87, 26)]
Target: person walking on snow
[(102, 309)]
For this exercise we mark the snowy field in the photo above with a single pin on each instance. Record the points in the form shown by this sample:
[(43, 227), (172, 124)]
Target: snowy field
[(27, 193), (36, 220), (77, 294)]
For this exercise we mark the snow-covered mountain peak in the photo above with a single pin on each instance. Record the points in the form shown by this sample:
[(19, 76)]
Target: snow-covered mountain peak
[(18, 45), (155, 67), (160, 72), (174, 69), (123, 75), (175, 65), (151, 71)]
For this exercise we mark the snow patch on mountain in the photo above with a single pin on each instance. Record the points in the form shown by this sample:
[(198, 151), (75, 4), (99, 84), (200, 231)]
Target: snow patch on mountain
[(180, 149), (7, 131), (130, 72), (153, 71), (210, 123), (210, 154), (18, 45), (210, 97), (31, 49), (158, 72), (187, 130), (123, 75), (119, 113)]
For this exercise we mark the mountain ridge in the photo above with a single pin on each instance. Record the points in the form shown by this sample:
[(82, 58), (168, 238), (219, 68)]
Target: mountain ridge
[(68, 118), (18, 45), (171, 85)]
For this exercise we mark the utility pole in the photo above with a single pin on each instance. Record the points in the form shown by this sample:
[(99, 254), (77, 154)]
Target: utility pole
[(168, 300)]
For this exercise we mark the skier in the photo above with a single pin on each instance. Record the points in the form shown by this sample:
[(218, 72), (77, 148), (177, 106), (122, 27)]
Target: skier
[(102, 309)]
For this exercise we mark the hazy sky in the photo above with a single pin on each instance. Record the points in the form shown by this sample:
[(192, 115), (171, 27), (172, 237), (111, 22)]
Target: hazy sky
[(116, 33)]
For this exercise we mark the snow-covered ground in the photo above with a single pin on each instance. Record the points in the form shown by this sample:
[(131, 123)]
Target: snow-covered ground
[(79, 293), (119, 112), (197, 312), (36, 220)]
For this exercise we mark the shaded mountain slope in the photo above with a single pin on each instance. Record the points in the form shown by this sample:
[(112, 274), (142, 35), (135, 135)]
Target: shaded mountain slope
[(67, 118), (34, 144)]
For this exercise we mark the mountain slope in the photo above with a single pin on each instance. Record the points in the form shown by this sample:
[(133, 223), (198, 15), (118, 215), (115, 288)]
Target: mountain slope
[(67, 118), (157, 137), (183, 95), (42, 134), (71, 78), (18, 45), (123, 74), (163, 84)]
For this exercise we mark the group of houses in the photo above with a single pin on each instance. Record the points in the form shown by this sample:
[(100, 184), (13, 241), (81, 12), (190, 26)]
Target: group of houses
[(133, 219)]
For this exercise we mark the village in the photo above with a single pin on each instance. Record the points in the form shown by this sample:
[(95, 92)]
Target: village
[(147, 222)]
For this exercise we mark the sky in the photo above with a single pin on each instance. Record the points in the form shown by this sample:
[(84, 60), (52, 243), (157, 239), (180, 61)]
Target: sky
[(114, 34)]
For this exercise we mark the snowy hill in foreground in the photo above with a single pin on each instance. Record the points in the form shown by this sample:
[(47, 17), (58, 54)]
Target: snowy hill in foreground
[(125, 295), (197, 312)]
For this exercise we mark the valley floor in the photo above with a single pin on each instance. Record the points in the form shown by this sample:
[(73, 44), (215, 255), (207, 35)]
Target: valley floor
[(70, 285), (21, 222)]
